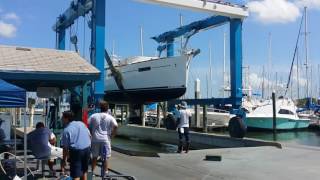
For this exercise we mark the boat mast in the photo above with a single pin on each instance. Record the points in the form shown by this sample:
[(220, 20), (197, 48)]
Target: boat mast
[(269, 66), (298, 78), (319, 80), (210, 68), (224, 64), (181, 38), (306, 50), (113, 45), (141, 40), (263, 74)]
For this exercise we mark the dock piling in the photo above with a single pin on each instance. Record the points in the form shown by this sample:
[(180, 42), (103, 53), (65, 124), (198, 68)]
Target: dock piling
[(274, 122), (205, 125)]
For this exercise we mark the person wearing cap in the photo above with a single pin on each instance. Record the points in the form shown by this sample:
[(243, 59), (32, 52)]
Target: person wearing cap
[(183, 127)]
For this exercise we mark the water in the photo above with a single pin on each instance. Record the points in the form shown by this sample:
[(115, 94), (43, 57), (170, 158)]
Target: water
[(136, 145), (302, 137)]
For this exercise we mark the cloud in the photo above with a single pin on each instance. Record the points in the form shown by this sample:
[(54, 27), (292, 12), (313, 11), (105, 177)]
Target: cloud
[(274, 11), (11, 16), (313, 4), (7, 30)]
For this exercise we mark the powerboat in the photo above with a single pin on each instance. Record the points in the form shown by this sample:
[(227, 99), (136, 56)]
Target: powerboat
[(286, 116), (215, 117)]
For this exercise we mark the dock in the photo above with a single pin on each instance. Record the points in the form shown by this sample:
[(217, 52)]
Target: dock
[(198, 140)]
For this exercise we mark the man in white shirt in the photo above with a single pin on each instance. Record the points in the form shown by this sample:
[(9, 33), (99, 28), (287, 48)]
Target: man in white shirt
[(102, 127), (183, 127)]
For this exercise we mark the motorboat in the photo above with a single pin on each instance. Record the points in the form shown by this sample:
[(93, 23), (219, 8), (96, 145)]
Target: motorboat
[(286, 116), (215, 117)]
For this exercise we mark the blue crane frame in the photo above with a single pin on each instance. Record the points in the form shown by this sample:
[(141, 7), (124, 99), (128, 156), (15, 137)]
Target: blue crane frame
[(97, 7)]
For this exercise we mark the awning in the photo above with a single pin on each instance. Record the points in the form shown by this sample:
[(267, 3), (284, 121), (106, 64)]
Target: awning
[(11, 96)]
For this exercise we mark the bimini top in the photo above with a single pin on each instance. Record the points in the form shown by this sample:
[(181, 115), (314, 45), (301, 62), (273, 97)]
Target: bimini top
[(30, 68)]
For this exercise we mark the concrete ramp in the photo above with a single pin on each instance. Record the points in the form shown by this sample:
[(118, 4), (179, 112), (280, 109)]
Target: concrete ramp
[(198, 140)]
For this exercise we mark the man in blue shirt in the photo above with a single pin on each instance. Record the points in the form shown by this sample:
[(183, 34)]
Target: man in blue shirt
[(76, 142), (41, 141)]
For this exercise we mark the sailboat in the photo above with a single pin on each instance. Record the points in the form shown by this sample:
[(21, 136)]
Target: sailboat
[(148, 79)]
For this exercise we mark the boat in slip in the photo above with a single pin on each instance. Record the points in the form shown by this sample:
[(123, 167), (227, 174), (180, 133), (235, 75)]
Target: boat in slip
[(147, 79), (215, 117), (287, 117)]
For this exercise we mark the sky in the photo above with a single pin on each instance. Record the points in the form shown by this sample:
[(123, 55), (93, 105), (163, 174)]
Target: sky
[(270, 32)]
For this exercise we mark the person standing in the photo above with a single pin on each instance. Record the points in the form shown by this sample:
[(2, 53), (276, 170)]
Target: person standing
[(76, 141), (183, 127), (102, 127)]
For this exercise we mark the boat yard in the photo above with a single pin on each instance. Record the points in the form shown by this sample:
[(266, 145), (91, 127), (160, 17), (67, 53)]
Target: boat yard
[(144, 92)]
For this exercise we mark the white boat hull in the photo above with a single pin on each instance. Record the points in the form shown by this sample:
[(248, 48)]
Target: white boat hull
[(153, 80)]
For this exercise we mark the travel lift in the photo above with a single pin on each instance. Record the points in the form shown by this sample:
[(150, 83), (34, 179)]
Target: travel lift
[(226, 12)]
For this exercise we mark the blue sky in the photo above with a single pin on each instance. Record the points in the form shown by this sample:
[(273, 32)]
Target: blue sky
[(29, 23)]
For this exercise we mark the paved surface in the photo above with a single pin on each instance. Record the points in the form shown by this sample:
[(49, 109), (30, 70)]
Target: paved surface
[(291, 162)]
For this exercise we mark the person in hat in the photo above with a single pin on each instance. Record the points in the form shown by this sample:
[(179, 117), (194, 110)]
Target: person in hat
[(183, 127), (2, 133)]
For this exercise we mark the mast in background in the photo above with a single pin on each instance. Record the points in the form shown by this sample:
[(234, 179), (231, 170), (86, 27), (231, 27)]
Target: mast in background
[(306, 50), (224, 65), (262, 91), (210, 69), (141, 41), (269, 86)]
